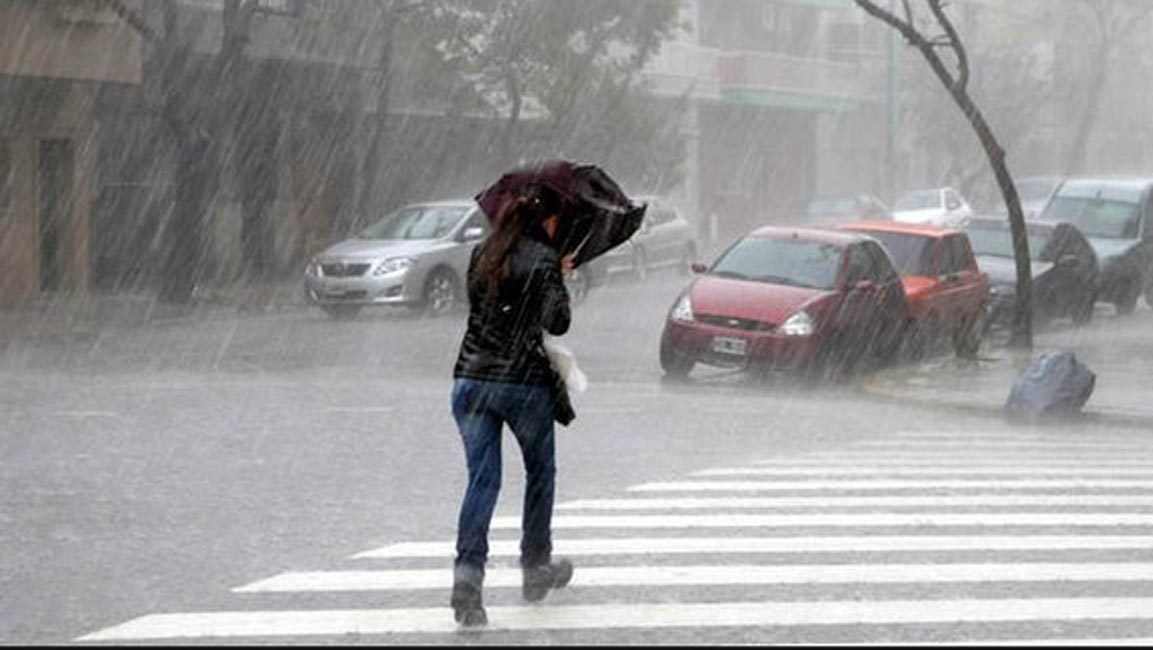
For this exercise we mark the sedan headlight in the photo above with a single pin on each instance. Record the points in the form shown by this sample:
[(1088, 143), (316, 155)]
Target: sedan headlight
[(683, 311), (393, 265), (799, 324)]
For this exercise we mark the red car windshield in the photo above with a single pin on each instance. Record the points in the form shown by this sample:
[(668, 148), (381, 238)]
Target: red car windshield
[(793, 262)]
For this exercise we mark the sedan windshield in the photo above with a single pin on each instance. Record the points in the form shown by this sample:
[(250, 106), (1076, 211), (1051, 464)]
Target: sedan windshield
[(1096, 217), (996, 240), (1035, 190), (912, 254), (793, 262), (416, 222), (920, 200)]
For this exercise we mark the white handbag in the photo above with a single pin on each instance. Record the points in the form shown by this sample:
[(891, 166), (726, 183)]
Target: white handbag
[(564, 362)]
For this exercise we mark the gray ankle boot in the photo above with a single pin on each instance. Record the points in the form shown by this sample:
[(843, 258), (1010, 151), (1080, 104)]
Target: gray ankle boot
[(539, 579), (467, 606)]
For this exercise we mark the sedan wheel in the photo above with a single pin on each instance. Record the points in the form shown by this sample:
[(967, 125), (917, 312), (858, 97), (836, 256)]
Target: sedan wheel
[(924, 337), (1083, 313), (675, 365), (1127, 296), (441, 293)]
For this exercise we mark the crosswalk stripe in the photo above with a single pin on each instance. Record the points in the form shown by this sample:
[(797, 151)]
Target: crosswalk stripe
[(915, 471), (888, 484), (1048, 436), (993, 500), (719, 545), (970, 452), (725, 575), (438, 620), (1011, 643), (1001, 444), (870, 520), (1085, 457), (889, 460)]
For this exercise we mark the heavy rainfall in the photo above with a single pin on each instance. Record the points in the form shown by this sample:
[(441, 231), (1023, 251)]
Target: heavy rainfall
[(858, 333)]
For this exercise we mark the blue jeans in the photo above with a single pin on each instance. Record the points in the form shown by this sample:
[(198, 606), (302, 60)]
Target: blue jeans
[(481, 408)]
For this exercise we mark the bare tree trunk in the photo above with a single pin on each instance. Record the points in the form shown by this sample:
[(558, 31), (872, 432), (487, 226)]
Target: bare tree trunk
[(1022, 332), (193, 174)]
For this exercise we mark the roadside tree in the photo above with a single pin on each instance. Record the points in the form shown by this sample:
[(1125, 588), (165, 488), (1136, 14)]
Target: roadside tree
[(954, 75)]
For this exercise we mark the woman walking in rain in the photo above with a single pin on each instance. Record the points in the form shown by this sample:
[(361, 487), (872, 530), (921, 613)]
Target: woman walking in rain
[(516, 293)]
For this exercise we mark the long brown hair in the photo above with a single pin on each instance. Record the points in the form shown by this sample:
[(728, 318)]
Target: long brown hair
[(523, 216)]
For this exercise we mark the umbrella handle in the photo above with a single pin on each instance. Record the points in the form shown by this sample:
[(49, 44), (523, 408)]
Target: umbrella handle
[(576, 251)]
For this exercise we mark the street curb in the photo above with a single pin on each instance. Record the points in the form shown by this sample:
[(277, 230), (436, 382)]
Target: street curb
[(869, 386)]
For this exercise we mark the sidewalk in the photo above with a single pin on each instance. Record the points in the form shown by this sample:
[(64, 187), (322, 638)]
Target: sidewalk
[(1118, 350), (68, 317)]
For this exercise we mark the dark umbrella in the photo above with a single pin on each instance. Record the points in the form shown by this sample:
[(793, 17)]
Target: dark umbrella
[(597, 217)]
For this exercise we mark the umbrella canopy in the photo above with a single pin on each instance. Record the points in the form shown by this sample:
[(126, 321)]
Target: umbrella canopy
[(597, 216)]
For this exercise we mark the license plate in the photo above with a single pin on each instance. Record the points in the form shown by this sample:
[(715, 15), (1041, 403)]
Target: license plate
[(730, 345)]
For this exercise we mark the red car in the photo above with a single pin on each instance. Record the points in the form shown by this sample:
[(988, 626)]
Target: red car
[(947, 293), (788, 299)]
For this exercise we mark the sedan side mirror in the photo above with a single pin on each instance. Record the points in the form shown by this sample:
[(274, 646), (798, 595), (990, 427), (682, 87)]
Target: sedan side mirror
[(699, 267), (472, 233)]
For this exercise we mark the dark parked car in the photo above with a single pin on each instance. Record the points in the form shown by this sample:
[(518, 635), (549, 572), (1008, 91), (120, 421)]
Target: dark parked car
[(1063, 263), (788, 299), (1116, 215), (1034, 192)]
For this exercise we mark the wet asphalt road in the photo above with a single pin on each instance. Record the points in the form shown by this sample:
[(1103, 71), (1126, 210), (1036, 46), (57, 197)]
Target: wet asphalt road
[(155, 469)]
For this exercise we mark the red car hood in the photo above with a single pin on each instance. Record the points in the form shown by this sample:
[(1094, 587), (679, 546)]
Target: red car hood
[(770, 303)]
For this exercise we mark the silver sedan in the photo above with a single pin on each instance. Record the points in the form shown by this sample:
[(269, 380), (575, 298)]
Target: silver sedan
[(415, 257)]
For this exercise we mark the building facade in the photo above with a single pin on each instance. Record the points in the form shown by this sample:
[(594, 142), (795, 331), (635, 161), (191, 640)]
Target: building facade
[(788, 102), (54, 58)]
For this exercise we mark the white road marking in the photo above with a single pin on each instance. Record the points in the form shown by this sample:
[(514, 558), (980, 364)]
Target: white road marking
[(836, 501), (439, 620), (895, 471), (870, 520), (972, 445), (358, 409), (952, 460), (1010, 643), (977, 456), (727, 575), (890, 484), (837, 544)]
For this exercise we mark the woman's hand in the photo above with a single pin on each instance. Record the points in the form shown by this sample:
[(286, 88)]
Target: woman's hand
[(566, 265)]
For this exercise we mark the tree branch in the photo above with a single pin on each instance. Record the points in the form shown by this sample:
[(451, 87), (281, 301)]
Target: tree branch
[(954, 40), (133, 19), (905, 27)]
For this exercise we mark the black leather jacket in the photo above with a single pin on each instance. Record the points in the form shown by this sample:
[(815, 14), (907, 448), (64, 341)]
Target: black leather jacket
[(503, 341)]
